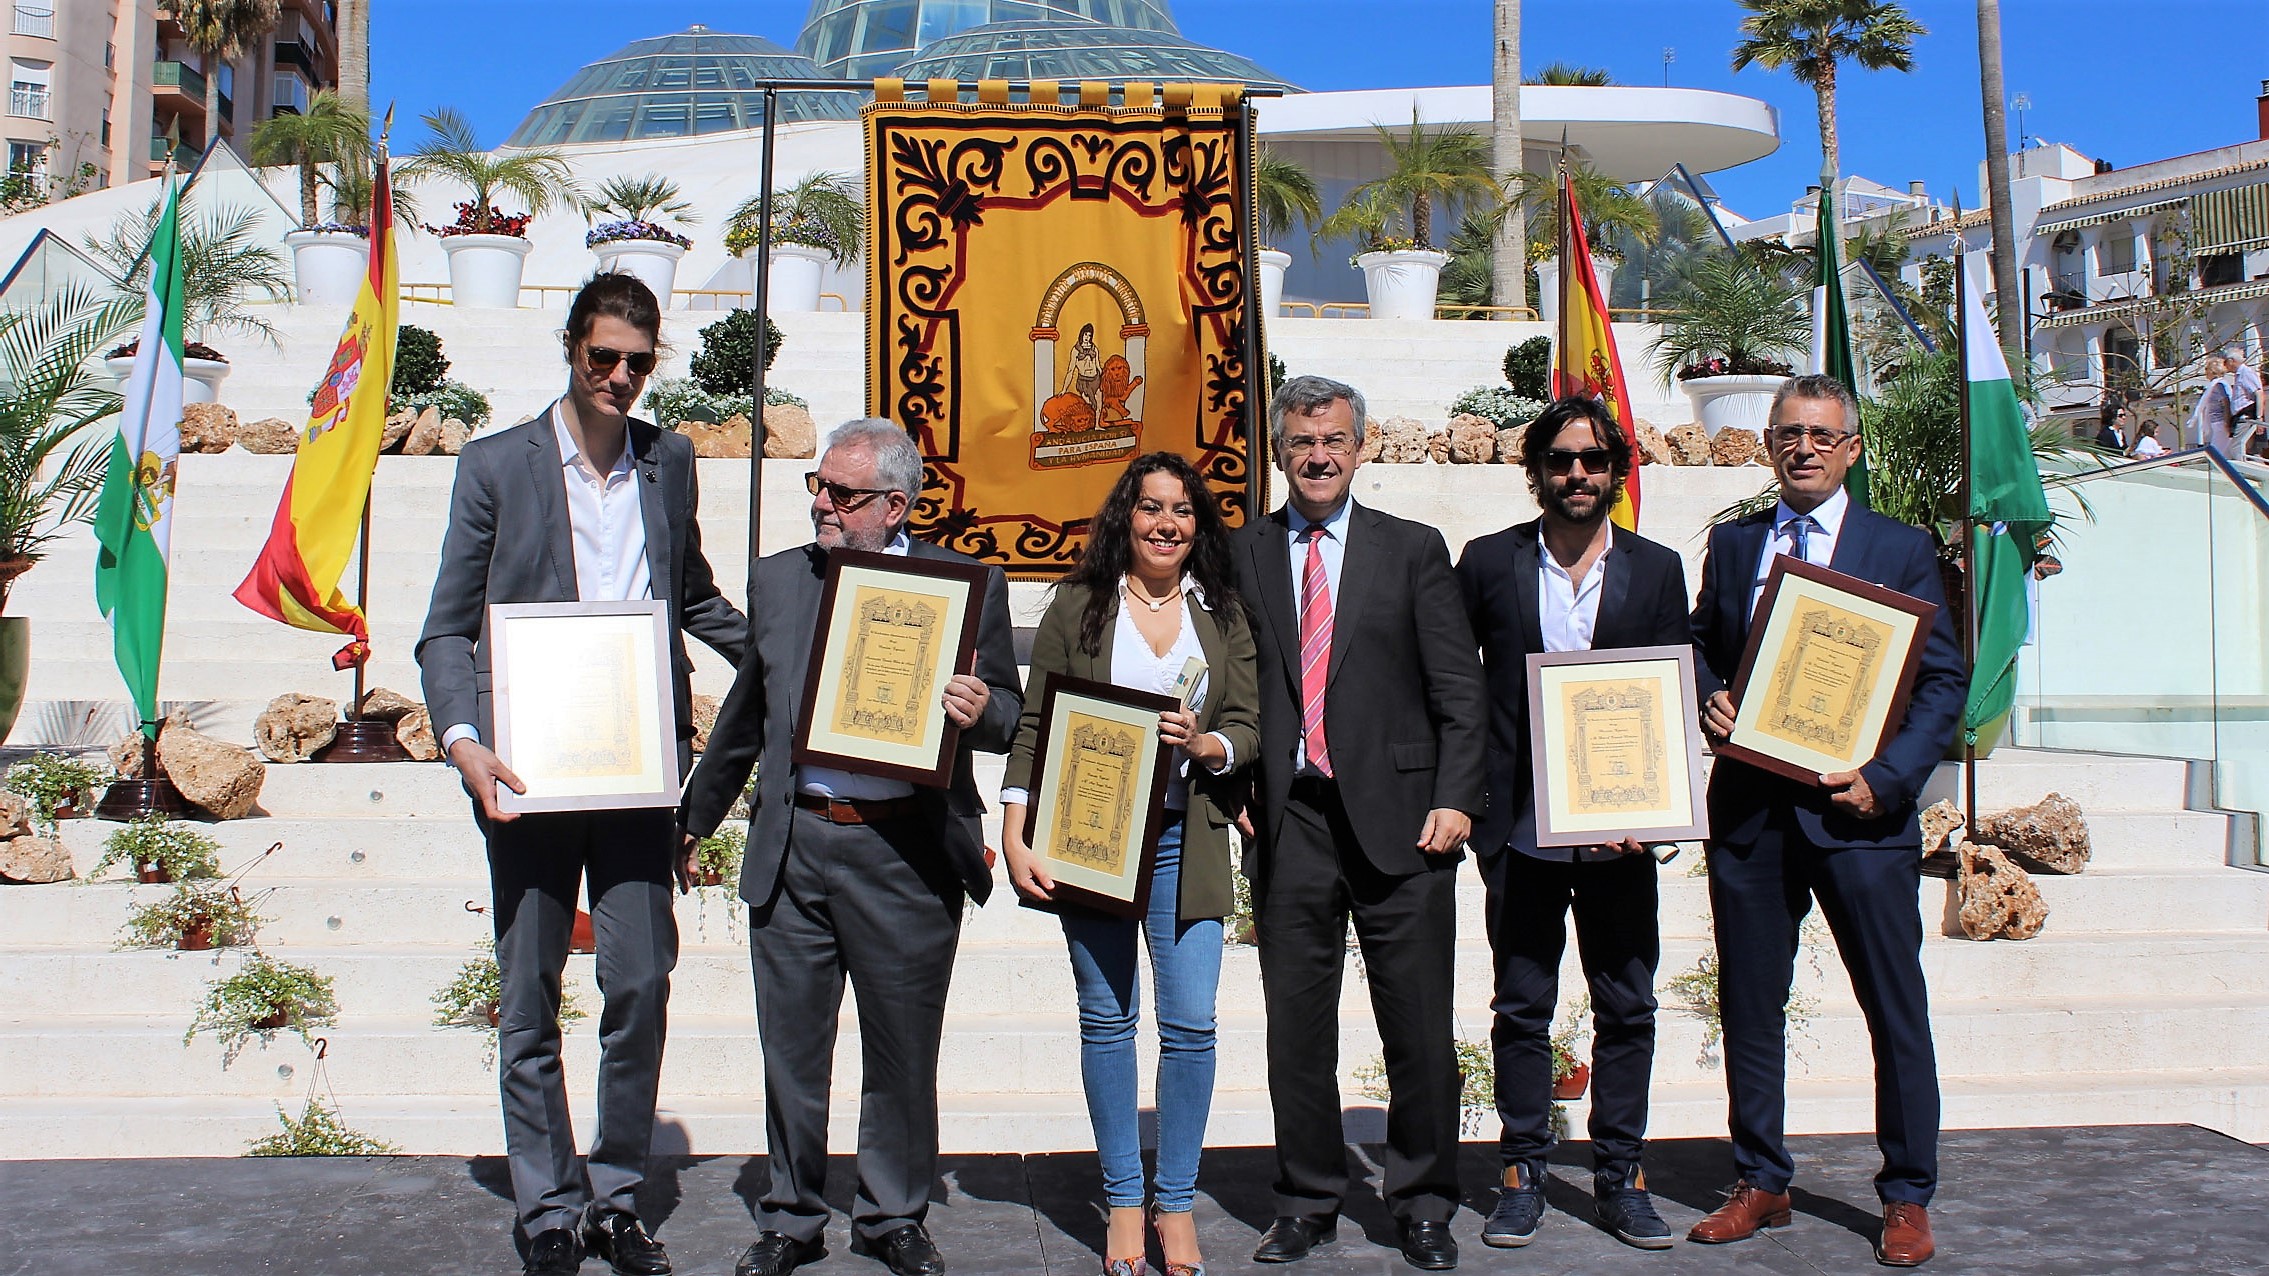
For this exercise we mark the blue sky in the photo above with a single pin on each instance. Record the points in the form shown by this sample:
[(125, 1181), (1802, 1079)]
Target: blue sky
[(2118, 80)]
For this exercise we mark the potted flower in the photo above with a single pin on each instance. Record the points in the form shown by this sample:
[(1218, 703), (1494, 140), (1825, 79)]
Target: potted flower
[(1449, 167), (473, 998), (317, 1132), (633, 242), (818, 220), (263, 997), (57, 787), (1731, 323), (1570, 1076), (223, 266), (488, 248), (158, 850), (192, 919), (1285, 196), (328, 257), (717, 858)]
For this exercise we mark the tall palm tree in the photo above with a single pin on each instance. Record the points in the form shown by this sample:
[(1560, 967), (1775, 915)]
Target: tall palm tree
[(1568, 74), (825, 208), (227, 260), (222, 30), (1508, 268), (354, 52), (1285, 195), (1810, 39), (51, 390), (330, 130), (539, 179), (1610, 211), (2010, 310), (1447, 166)]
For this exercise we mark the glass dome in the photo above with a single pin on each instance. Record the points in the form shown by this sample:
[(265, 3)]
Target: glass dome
[(696, 81), (1081, 51), (861, 39)]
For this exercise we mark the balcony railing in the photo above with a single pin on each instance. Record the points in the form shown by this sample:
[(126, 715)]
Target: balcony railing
[(183, 156), (39, 22), (30, 104), (181, 76), (296, 54)]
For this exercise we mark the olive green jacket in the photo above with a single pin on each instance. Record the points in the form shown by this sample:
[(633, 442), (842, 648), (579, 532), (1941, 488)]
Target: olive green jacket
[(1232, 707)]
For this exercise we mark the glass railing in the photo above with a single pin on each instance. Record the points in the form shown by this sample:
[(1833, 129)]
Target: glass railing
[(178, 75), (2154, 639)]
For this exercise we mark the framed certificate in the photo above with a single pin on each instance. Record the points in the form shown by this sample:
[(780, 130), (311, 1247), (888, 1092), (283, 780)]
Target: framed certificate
[(582, 703), (1617, 745), (1098, 792), (892, 630), (1825, 677)]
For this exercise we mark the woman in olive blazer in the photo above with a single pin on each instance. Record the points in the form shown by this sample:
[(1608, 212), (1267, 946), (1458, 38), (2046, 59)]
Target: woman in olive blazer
[(1153, 589)]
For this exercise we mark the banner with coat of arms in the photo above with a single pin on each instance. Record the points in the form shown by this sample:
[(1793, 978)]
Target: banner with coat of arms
[(1054, 288)]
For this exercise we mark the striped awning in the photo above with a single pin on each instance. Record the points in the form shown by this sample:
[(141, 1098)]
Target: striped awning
[(2122, 309), (2224, 221), (2104, 219)]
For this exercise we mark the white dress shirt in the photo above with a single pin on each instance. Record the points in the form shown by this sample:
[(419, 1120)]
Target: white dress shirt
[(1568, 610), (847, 786), (1334, 542), (2245, 382), (1820, 540)]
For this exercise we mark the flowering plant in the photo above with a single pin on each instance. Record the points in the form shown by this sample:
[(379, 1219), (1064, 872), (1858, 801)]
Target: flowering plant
[(499, 223), (339, 228), (632, 229), (1499, 405), (1745, 366)]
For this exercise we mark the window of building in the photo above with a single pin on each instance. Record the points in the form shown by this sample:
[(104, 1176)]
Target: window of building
[(291, 92), (27, 90), (27, 157), (2217, 269), (38, 22), (2115, 255), (109, 56), (106, 128)]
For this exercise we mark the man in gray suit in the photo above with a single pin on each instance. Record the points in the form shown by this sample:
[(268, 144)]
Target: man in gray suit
[(581, 503), (851, 875)]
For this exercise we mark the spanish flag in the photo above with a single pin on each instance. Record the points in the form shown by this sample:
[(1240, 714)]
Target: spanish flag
[(296, 579), (1585, 361)]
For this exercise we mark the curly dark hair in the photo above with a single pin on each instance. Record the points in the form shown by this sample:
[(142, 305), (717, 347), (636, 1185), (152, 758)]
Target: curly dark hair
[(1110, 545)]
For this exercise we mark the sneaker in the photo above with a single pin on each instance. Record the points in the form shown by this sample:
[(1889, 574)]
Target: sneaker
[(1520, 1207), (1627, 1211)]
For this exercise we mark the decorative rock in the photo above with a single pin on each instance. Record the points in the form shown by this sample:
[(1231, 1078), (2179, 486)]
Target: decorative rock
[(704, 720), (293, 726), (1998, 901), (455, 434), (15, 816), (1509, 444), (34, 861), (414, 730), (789, 433), (1688, 445), (1374, 439), (728, 440), (1438, 446), (1402, 441), (397, 429), (268, 436), (220, 779), (1472, 440), (1654, 449), (425, 434), (207, 427), (1942, 820), (387, 706), (2049, 836), (126, 751), (1735, 446)]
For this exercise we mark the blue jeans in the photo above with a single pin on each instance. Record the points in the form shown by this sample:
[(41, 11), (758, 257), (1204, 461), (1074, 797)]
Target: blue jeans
[(1185, 966)]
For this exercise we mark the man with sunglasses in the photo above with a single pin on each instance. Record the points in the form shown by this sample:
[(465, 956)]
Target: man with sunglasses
[(850, 876), (582, 503), (1852, 841), (1568, 580)]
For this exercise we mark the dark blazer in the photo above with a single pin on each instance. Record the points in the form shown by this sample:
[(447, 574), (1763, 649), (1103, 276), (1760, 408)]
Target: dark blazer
[(1642, 603), (509, 542), (1232, 707), (759, 717), (1872, 548), (1404, 708)]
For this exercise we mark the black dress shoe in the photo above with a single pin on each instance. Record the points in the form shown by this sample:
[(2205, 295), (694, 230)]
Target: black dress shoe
[(553, 1253), (622, 1241), (777, 1254), (906, 1250), (1429, 1247), (1290, 1237)]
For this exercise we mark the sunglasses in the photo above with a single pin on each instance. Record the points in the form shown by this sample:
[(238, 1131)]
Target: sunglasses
[(844, 499), (602, 361), (1595, 460)]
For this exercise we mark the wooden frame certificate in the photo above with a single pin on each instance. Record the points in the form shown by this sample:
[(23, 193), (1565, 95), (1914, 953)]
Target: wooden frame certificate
[(892, 630), (1616, 742), (1099, 792), (583, 705), (1825, 677)]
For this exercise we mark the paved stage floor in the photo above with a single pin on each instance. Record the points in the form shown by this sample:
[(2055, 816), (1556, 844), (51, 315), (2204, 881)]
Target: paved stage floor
[(2143, 1199)]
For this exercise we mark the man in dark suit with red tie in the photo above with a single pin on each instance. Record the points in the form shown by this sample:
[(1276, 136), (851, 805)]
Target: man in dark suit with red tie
[(1372, 720), (1852, 841)]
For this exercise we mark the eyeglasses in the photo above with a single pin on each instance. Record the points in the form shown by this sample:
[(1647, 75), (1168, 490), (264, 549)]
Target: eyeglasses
[(602, 361), (1786, 436), (844, 499), (1336, 444), (1596, 460)]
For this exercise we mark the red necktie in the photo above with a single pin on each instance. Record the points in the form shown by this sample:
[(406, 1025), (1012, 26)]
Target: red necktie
[(1315, 649)]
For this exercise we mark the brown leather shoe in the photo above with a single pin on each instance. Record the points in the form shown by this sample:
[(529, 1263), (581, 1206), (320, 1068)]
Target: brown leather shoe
[(1748, 1209), (1906, 1236)]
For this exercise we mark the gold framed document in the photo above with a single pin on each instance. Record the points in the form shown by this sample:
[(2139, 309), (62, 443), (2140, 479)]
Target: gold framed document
[(1617, 746), (582, 703), (892, 630), (1830, 661), (1099, 792)]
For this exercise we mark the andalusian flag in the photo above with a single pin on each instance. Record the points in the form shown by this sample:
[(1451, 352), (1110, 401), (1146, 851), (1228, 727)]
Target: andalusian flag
[(2008, 508), (319, 519), (1585, 361), (1831, 328), (134, 520)]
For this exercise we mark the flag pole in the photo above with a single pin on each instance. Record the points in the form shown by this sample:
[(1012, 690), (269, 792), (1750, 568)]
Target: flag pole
[(1567, 264), (362, 548), (1969, 555)]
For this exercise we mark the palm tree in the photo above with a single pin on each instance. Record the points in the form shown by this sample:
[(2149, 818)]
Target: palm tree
[(1285, 194), (222, 30), (1682, 231), (1450, 166), (1469, 278), (1811, 38), (1610, 211), (51, 390), (539, 179), (1729, 306), (640, 199), (1569, 74), (351, 178), (823, 210), (354, 52), (330, 130), (226, 259), (2010, 317), (1508, 268)]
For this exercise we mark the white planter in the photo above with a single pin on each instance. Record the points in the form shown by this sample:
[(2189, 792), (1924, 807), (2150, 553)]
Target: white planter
[(653, 260), (1743, 402), (330, 264), (796, 272), (200, 378), (1402, 284), (484, 270), (1272, 264), (1548, 285)]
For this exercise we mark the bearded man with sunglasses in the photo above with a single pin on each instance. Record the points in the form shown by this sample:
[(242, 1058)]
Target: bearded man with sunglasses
[(1568, 580), (583, 503)]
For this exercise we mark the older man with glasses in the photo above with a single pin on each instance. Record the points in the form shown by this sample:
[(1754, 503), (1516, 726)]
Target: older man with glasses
[(1852, 841)]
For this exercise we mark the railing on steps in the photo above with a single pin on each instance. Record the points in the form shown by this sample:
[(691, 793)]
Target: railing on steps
[(438, 294)]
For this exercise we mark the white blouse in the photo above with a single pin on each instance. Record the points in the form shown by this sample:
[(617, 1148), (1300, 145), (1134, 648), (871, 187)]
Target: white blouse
[(1135, 665)]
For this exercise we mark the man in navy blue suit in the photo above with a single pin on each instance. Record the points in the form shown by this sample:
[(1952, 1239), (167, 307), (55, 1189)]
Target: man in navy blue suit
[(1852, 842)]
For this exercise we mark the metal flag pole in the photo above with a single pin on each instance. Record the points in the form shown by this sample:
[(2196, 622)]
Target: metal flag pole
[(1256, 353), (1969, 535), (763, 301)]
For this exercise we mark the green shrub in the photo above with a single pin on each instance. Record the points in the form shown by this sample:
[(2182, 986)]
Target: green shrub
[(719, 854), (1498, 405), (317, 1132), (726, 363), (1276, 375), (260, 992), (153, 841), (477, 991), (676, 399), (453, 399), (418, 365), (163, 922), (1528, 367), (48, 780)]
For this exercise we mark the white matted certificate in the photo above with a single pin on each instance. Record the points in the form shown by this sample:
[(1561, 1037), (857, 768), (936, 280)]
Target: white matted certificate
[(1616, 748), (582, 704)]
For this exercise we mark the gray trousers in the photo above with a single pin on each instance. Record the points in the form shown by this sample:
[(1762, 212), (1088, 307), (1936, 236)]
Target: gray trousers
[(879, 904), (536, 864)]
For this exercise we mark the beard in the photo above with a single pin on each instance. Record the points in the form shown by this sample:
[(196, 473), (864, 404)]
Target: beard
[(1554, 498)]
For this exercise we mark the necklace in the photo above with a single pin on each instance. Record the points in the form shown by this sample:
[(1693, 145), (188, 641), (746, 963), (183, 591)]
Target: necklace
[(1127, 585)]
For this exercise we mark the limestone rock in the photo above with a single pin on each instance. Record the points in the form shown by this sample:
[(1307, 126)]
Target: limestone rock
[(1654, 449), (15, 816), (1509, 444), (1998, 901), (126, 751), (1374, 440), (414, 730), (33, 861), (1472, 440), (2049, 836), (1734, 446), (1688, 445), (387, 706), (730, 439), (293, 726), (1438, 446), (789, 433), (398, 428), (455, 434), (1942, 820), (207, 427), (268, 436), (1402, 441), (424, 437), (219, 779), (704, 720)]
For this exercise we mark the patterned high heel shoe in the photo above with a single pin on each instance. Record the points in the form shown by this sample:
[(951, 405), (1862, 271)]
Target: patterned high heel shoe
[(1124, 1266), (1174, 1268)]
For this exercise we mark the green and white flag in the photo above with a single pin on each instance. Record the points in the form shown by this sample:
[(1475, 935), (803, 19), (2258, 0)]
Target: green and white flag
[(1831, 327), (2007, 505), (134, 521)]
